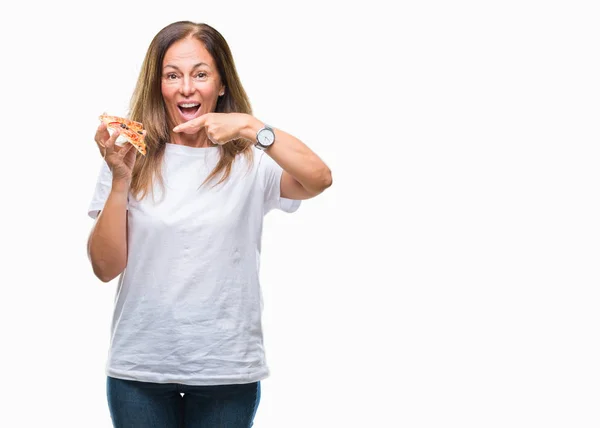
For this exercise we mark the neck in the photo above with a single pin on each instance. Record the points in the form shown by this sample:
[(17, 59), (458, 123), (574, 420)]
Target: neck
[(199, 139)]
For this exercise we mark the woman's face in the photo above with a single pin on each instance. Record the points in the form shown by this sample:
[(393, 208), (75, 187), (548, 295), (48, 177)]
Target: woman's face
[(190, 82)]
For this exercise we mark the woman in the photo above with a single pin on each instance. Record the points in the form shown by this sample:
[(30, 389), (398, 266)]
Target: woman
[(182, 228)]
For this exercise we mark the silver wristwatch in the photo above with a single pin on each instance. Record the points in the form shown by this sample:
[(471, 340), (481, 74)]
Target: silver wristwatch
[(265, 137)]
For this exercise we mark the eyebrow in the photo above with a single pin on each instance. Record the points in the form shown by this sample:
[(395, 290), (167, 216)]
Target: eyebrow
[(195, 65)]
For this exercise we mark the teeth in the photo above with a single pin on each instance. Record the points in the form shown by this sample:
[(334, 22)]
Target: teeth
[(188, 105)]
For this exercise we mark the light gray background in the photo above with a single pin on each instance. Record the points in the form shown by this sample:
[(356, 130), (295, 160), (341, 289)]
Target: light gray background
[(449, 278)]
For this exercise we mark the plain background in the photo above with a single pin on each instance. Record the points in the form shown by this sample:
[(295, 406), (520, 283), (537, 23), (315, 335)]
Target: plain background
[(448, 278)]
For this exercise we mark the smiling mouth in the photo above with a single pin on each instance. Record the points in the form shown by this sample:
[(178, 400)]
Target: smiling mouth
[(188, 109)]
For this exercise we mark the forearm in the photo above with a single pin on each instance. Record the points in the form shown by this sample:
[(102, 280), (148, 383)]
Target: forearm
[(294, 157), (107, 244)]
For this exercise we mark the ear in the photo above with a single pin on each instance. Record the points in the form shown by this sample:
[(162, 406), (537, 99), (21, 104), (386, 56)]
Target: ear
[(222, 91)]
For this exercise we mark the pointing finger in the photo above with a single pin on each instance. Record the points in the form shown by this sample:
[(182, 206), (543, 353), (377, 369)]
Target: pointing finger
[(191, 125)]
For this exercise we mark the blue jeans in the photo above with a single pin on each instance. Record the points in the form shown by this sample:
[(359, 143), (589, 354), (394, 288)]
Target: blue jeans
[(134, 404)]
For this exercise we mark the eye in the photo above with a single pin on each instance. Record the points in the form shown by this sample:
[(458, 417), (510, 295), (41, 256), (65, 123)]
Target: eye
[(201, 75), (171, 76)]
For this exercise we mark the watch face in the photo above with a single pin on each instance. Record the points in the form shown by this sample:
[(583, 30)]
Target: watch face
[(266, 137)]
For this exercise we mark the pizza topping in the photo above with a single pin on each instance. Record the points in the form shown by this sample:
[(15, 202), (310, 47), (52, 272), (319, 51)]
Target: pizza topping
[(132, 131)]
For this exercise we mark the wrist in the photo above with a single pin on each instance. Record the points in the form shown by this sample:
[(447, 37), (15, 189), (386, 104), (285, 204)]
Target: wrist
[(250, 128), (120, 186)]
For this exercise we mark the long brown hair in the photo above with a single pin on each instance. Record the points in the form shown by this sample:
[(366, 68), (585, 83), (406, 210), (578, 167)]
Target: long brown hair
[(147, 105)]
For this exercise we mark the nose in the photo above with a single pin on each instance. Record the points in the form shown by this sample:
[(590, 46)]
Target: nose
[(187, 87)]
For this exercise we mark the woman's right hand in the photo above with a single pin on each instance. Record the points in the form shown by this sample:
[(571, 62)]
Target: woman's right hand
[(120, 160)]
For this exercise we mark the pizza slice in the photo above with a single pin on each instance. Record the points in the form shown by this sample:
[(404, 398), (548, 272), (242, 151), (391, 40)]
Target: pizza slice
[(132, 131)]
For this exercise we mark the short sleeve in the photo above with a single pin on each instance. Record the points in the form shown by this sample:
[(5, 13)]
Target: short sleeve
[(101, 192), (270, 175)]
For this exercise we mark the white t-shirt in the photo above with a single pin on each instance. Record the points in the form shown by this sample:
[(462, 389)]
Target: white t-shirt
[(188, 305)]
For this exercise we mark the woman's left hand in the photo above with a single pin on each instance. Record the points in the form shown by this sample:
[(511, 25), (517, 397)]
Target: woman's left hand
[(220, 127)]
